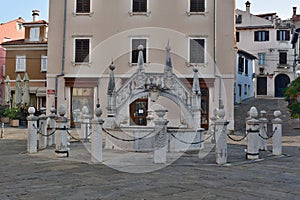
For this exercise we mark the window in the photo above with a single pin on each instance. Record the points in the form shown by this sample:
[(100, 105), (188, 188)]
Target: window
[(135, 43), (261, 58), (238, 19), (3, 70), (282, 58), (34, 34), (19, 26), (83, 6), (197, 50), (246, 67), (260, 36), (82, 50), (283, 35), (237, 36), (139, 5), (20, 63), (245, 89), (44, 62), (197, 5), (241, 65)]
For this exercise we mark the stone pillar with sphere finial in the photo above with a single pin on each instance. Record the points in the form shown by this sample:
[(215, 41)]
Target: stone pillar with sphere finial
[(85, 121), (161, 138), (42, 130), (277, 136), (111, 99), (196, 101), (253, 135), (32, 131), (62, 138), (221, 137), (96, 138), (263, 131), (51, 127)]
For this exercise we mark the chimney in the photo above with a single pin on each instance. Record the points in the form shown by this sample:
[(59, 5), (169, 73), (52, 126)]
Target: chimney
[(248, 6), (294, 11), (35, 15)]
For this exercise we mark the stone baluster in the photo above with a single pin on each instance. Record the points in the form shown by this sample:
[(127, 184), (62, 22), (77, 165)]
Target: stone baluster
[(32, 131), (221, 137), (96, 145), (42, 130), (62, 137), (262, 144), (277, 136), (85, 121), (52, 125), (253, 135), (161, 138)]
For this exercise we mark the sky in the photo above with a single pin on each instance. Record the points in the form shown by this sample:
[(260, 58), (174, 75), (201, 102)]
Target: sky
[(283, 8), (13, 9)]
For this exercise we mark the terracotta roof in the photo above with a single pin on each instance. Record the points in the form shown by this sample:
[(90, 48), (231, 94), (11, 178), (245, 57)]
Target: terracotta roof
[(36, 22), (22, 42)]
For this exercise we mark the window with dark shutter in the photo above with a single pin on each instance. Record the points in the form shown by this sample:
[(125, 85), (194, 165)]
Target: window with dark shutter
[(246, 67), (260, 36), (197, 50), (241, 64), (282, 58), (283, 35), (238, 19), (197, 5), (237, 36), (139, 6), (83, 6), (82, 50), (135, 51)]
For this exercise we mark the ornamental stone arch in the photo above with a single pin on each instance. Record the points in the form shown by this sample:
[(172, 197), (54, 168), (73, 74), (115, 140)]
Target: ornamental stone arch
[(153, 85)]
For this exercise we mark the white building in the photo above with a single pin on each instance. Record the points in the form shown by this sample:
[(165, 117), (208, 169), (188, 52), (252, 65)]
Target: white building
[(268, 38), (244, 85)]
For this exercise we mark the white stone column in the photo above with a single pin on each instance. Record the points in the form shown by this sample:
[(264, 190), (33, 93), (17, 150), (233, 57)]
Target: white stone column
[(262, 143), (96, 145), (51, 126), (62, 138), (221, 138), (32, 131), (277, 137), (85, 121), (161, 138), (43, 131), (252, 137)]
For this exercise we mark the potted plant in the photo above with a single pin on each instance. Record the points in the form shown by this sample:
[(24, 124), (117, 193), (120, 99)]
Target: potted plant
[(14, 115), (4, 118)]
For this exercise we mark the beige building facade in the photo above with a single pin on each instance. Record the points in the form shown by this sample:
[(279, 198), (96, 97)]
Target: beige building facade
[(85, 36)]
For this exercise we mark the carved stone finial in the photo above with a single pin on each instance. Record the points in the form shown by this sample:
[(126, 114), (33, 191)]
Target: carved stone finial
[(140, 47), (62, 110), (112, 66), (277, 113), (31, 110), (253, 112)]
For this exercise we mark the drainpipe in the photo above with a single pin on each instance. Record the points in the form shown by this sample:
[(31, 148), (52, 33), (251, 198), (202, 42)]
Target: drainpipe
[(63, 52), (221, 106)]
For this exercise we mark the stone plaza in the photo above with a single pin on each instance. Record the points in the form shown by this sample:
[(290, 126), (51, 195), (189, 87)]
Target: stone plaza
[(133, 175)]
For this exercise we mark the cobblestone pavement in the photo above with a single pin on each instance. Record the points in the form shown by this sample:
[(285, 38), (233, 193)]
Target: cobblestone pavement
[(43, 176)]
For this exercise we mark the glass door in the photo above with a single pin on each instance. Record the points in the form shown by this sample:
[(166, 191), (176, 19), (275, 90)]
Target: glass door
[(138, 112)]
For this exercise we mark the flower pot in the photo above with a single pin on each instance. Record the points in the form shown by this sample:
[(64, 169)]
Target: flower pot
[(14, 122)]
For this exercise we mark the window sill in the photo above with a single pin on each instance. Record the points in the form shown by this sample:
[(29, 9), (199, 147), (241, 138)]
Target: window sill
[(90, 14), (283, 66), (195, 13), (136, 64), (189, 64), (20, 71), (89, 64), (131, 13)]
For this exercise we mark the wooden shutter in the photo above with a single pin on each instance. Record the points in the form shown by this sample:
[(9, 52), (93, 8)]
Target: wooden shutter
[(197, 50), (83, 6), (246, 67), (197, 5), (282, 58), (82, 49), (139, 6), (278, 35), (237, 36), (241, 64), (267, 36), (135, 51), (256, 33)]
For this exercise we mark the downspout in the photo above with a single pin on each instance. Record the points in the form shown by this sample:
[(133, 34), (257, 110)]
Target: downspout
[(221, 106), (63, 52)]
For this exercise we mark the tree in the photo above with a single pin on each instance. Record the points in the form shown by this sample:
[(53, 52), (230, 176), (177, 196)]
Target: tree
[(292, 95)]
